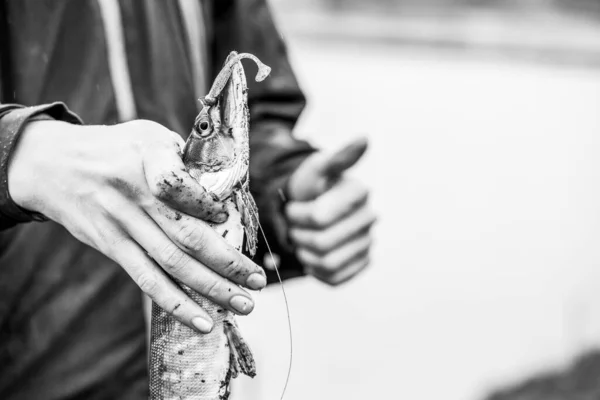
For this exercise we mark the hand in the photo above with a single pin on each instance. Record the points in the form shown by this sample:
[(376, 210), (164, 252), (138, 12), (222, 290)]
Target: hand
[(330, 219), (123, 190)]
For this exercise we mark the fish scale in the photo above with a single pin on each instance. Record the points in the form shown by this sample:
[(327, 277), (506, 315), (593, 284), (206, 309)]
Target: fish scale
[(185, 364)]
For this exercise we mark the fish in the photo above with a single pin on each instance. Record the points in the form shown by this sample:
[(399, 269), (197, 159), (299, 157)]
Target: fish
[(185, 364)]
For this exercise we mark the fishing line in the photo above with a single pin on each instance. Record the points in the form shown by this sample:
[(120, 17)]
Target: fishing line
[(287, 308)]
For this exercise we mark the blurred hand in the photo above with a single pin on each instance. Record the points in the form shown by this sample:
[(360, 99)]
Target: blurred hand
[(123, 190), (330, 219)]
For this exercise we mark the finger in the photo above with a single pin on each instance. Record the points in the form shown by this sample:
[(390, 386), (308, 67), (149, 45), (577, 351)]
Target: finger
[(344, 275), (176, 263), (343, 198), (344, 158), (160, 288), (325, 240), (203, 243), (339, 258), (172, 184)]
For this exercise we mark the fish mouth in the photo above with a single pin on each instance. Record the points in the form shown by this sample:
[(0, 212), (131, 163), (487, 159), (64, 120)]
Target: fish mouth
[(215, 165)]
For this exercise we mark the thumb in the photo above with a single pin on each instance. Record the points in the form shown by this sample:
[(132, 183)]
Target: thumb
[(335, 164), (316, 175)]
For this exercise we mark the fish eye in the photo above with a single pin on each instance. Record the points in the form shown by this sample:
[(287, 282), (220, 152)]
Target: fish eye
[(204, 128)]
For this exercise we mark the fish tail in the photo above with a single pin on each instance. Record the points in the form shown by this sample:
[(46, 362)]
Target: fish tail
[(241, 358)]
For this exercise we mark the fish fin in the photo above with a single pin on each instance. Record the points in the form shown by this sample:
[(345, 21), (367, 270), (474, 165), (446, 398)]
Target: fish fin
[(249, 213), (241, 358)]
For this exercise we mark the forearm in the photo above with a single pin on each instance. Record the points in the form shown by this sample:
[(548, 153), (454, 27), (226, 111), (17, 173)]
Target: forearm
[(13, 119)]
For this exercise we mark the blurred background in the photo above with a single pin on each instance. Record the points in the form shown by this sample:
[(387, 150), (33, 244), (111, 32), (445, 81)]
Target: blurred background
[(484, 123)]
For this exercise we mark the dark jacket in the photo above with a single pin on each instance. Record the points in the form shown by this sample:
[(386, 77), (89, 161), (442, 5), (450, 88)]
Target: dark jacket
[(71, 324)]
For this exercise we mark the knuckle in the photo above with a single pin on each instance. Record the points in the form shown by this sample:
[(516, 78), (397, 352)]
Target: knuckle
[(135, 125), (357, 187), (329, 263), (148, 284), (311, 259), (290, 210), (301, 238), (304, 257), (157, 185), (371, 216), (152, 136), (191, 237), (366, 261), (319, 216), (163, 185), (295, 236), (321, 243), (143, 124), (210, 209), (203, 199), (109, 245), (213, 289), (362, 246), (172, 259), (176, 308), (361, 193), (235, 267), (153, 132), (364, 192), (331, 282), (336, 281)]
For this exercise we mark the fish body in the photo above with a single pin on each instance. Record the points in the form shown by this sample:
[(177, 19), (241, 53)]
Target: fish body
[(185, 364)]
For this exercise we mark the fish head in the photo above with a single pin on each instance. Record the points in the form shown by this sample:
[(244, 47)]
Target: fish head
[(219, 138), (217, 150), (211, 145)]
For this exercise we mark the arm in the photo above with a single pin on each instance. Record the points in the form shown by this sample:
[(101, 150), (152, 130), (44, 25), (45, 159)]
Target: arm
[(13, 119), (124, 191)]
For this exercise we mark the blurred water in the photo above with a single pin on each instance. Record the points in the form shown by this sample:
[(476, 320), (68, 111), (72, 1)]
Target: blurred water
[(486, 177)]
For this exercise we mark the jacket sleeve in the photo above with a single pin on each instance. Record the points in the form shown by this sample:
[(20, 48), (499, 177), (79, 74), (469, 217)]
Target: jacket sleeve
[(275, 105), (13, 119)]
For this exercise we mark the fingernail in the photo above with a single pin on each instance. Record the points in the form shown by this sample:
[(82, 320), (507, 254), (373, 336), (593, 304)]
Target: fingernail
[(241, 304), (256, 281), (202, 325), (221, 217)]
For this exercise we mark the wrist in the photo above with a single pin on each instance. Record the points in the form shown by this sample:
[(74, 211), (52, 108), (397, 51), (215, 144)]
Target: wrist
[(32, 158)]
